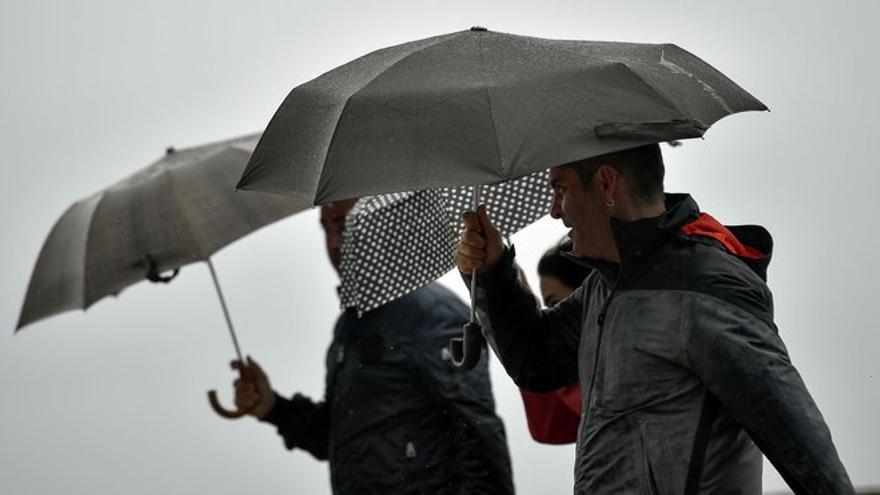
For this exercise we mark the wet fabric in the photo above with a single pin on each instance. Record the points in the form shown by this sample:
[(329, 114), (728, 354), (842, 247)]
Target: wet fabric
[(397, 417), (680, 319), (481, 107)]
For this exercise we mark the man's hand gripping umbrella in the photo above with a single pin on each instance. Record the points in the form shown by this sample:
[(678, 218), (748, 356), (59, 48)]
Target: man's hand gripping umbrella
[(479, 249)]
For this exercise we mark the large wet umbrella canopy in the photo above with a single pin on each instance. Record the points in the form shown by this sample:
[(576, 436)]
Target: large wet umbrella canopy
[(480, 107), (179, 210)]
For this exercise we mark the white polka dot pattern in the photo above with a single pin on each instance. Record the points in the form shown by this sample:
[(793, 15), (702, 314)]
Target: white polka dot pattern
[(395, 243)]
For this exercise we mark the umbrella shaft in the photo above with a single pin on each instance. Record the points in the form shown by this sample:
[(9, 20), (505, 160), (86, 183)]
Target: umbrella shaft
[(474, 273), (225, 311)]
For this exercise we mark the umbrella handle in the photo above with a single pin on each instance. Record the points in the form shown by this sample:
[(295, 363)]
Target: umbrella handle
[(222, 411), (466, 349)]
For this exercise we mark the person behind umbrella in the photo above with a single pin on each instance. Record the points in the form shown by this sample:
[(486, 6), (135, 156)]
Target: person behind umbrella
[(672, 336), (553, 417), (396, 417)]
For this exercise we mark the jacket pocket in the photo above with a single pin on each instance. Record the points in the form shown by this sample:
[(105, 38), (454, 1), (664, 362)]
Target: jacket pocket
[(649, 484), (664, 472)]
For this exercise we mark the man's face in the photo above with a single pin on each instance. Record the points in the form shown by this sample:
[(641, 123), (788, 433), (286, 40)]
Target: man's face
[(333, 222), (583, 211)]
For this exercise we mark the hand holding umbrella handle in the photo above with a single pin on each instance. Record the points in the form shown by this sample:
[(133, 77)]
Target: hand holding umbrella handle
[(212, 394), (227, 413), (466, 349)]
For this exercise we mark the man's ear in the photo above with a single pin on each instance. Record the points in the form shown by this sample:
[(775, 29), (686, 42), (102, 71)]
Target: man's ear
[(608, 182)]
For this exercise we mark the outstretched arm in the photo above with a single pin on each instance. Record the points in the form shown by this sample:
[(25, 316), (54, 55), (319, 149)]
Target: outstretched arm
[(745, 365)]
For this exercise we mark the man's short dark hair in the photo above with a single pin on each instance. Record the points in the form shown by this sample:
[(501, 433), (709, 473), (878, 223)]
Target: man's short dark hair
[(642, 166), (554, 264)]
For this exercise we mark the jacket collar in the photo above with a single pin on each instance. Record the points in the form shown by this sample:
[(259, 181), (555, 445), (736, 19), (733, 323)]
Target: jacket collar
[(638, 237), (641, 236)]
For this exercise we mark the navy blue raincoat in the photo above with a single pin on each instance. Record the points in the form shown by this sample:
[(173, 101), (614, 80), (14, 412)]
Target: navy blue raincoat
[(397, 417)]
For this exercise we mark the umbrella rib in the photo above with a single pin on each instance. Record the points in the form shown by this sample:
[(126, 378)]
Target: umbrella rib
[(663, 96), (495, 135), (184, 213), (219, 144), (86, 299), (706, 87), (491, 114)]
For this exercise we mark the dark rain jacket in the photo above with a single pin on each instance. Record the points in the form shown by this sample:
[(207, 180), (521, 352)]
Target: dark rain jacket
[(681, 366), (397, 417)]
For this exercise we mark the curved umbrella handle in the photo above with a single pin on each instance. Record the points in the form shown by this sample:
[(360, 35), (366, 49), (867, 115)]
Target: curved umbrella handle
[(222, 411), (466, 349)]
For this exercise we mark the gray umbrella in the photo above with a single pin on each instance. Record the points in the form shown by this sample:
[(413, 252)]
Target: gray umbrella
[(480, 107), (179, 210)]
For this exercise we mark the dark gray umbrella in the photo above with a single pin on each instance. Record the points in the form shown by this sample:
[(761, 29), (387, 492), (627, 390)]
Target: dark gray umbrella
[(480, 107), (179, 210)]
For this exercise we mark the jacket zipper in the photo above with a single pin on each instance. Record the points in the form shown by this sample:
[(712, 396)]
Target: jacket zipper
[(600, 320)]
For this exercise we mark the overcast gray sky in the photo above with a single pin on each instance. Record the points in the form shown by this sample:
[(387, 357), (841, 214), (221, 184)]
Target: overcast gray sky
[(112, 400)]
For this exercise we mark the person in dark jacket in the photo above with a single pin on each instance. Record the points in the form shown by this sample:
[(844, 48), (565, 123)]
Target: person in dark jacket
[(397, 417), (683, 374)]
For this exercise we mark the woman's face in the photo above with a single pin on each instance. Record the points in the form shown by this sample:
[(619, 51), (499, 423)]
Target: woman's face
[(553, 290)]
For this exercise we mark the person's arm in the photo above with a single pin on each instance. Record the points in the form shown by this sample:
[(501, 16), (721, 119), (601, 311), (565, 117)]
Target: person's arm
[(538, 348), (743, 362), (301, 422)]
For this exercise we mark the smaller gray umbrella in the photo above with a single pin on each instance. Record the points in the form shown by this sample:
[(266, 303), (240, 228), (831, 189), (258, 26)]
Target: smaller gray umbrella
[(179, 210)]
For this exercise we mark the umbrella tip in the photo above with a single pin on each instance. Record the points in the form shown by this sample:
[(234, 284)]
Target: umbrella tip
[(169, 150), (478, 28)]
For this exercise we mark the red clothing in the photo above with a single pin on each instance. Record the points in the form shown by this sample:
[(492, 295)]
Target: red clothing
[(707, 226), (554, 417)]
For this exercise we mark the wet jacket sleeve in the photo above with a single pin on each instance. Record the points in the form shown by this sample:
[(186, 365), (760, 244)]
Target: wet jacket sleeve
[(743, 362), (481, 461), (538, 348), (301, 423)]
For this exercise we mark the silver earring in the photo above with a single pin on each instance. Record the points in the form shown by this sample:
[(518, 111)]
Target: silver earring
[(610, 203)]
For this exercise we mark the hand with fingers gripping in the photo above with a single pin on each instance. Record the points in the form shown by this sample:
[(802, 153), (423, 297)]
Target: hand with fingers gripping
[(253, 390), (480, 247)]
